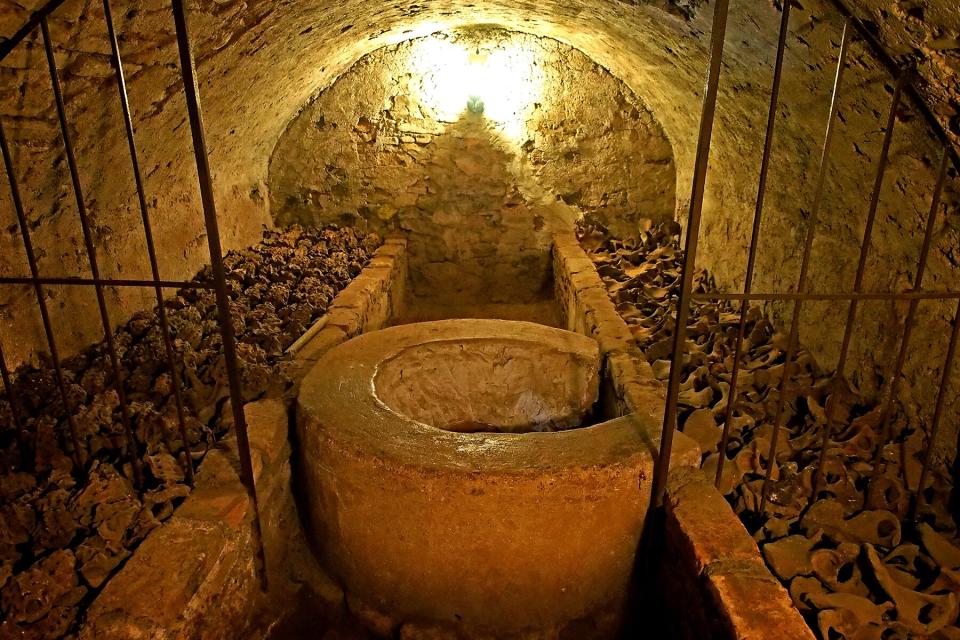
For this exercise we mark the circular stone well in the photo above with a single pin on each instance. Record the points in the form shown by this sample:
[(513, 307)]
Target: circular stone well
[(492, 384), (434, 502)]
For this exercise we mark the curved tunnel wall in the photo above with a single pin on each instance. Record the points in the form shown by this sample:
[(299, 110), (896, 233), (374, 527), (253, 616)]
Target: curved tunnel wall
[(260, 61), (478, 187)]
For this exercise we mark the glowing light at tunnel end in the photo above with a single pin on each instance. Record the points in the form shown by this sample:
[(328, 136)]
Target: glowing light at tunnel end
[(501, 80)]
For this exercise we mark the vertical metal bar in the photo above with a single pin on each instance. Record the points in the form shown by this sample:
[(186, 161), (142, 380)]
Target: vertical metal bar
[(937, 413), (707, 117), (872, 216), (191, 92), (134, 456), (148, 233), (805, 263), (755, 234), (41, 301), (840, 373), (909, 323), (22, 436)]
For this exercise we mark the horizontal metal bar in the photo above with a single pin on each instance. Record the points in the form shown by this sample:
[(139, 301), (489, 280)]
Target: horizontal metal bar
[(8, 45), (107, 282), (906, 295)]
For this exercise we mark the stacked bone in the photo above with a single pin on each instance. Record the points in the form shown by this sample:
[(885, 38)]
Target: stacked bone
[(63, 533), (851, 564)]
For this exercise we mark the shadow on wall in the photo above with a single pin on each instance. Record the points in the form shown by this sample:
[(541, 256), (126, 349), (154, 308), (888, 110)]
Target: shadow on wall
[(392, 146), (473, 232)]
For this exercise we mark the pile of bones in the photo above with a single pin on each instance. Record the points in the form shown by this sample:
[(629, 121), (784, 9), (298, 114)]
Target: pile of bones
[(853, 564), (64, 531)]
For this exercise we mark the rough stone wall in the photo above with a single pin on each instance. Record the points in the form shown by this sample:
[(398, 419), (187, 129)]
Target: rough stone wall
[(902, 213), (478, 198), (925, 33), (27, 106), (261, 60)]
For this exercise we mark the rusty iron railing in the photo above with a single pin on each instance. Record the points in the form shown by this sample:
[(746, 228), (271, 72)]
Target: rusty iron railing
[(903, 87), (218, 283)]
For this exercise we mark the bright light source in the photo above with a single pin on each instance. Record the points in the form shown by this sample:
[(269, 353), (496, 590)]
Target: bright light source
[(502, 81)]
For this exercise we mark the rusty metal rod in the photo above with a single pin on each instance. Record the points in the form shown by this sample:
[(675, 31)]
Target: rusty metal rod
[(192, 95), (893, 67), (865, 245), (148, 235), (9, 44), (717, 37), (78, 456), (839, 375), (106, 282), (805, 265), (755, 234), (908, 326), (22, 436), (937, 413), (870, 295), (135, 463)]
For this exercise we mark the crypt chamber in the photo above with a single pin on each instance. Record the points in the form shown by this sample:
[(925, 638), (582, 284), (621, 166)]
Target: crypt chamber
[(435, 319)]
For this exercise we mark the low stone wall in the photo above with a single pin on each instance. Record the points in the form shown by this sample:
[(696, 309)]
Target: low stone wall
[(710, 577), (202, 559), (194, 577), (370, 302), (586, 307)]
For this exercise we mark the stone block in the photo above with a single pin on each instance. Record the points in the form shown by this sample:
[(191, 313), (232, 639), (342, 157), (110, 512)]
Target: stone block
[(701, 525), (228, 505), (353, 297), (326, 339), (585, 277), (347, 319), (136, 603), (381, 261), (219, 466), (622, 369), (268, 425), (751, 604)]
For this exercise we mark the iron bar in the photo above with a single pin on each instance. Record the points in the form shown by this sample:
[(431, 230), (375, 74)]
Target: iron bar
[(148, 235), (41, 301), (106, 282), (870, 295), (909, 323), (192, 95), (892, 66), (839, 376), (135, 462), (755, 234), (717, 38), (871, 218), (8, 45), (805, 265), (22, 435), (937, 413)]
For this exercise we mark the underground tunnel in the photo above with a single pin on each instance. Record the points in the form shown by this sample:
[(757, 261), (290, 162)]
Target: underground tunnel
[(595, 319)]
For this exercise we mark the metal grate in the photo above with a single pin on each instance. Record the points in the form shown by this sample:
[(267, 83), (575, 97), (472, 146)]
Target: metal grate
[(903, 88), (218, 283)]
